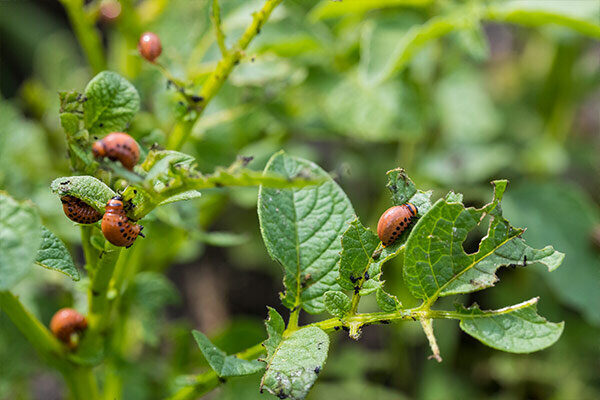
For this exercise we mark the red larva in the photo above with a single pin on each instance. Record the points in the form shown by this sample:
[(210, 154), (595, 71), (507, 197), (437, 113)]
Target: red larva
[(65, 323), (118, 146), (149, 46), (79, 211), (117, 227), (394, 221)]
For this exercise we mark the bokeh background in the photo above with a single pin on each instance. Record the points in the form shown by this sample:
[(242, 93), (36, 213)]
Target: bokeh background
[(485, 101)]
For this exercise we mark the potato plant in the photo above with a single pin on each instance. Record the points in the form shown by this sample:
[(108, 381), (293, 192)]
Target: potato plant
[(334, 267)]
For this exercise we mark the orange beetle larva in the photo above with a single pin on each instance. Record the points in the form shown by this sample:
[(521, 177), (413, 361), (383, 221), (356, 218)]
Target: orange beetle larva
[(394, 221), (67, 322), (79, 211), (149, 46), (118, 146), (117, 227)]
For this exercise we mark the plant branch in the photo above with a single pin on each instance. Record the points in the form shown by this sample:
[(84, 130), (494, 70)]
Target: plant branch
[(216, 20), (209, 380), (220, 74), (86, 33)]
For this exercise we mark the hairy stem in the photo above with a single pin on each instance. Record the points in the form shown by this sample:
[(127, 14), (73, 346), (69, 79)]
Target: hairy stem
[(86, 33), (220, 74)]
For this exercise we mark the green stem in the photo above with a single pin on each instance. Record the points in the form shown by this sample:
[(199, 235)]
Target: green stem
[(216, 20), (49, 348), (86, 33), (220, 74), (293, 322), (90, 253), (98, 292), (82, 382)]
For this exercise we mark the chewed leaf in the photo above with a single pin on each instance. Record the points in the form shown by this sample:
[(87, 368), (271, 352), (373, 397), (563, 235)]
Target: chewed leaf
[(19, 239), (400, 185), (516, 329), (358, 246), (337, 303), (87, 188), (53, 254), (362, 255), (435, 263), (515, 253), (223, 364), (111, 103), (295, 364), (387, 302), (275, 327), (403, 190), (301, 228)]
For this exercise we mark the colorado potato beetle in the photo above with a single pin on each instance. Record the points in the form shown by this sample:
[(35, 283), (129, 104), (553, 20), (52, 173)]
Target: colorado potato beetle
[(149, 46), (118, 146), (66, 323), (79, 211), (394, 221), (117, 227)]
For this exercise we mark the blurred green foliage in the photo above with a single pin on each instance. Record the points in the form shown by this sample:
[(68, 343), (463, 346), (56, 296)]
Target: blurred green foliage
[(456, 92)]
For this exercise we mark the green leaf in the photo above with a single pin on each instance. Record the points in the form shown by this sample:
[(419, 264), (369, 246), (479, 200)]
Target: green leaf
[(475, 42), (223, 364), (516, 329), (302, 229), (189, 195), (70, 123), (19, 239), (147, 295), (418, 36), (295, 364), (370, 112), (580, 16), (331, 9), (111, 103), (386, 301), (53, 254), (467, 113), (152, 291), (435, 263), (275, 327), (377, 37), (337, 303), (358, 246), (87, 188), (160, 162)]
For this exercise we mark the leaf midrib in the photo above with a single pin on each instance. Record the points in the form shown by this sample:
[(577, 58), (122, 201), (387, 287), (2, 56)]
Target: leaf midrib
[(436, 294)]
